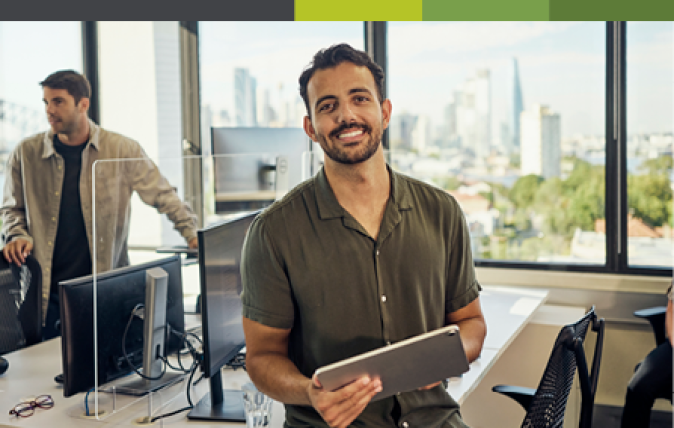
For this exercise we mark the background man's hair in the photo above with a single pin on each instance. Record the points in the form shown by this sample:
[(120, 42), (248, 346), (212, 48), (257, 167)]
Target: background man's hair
[(332, 57), (76, 84)]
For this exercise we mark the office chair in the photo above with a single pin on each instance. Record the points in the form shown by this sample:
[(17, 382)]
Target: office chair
[(20, 305), (546, 405), (656, 317)]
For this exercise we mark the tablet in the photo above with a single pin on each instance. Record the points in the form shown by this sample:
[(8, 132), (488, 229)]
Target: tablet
[(404, 366)]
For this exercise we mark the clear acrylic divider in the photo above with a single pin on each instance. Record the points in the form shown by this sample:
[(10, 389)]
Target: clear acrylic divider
[(137, 307), (127, 195)]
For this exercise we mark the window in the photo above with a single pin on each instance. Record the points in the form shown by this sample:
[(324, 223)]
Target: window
[(249, 79), (508, 117), (21, 107), (140, 98), (650, 109)]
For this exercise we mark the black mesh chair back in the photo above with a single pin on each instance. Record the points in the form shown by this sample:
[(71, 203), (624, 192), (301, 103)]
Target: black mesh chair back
[(20, 304), (568, 356)]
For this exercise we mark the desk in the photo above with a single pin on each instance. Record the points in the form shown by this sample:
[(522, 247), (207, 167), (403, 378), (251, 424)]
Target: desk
[(507, 310), (32, 370)]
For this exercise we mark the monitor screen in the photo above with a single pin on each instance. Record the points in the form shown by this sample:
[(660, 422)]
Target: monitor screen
[(118, 293), (248, 180), (220, 249)]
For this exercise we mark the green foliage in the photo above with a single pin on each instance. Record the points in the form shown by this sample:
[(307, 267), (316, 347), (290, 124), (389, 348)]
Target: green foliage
[(657, 166), (523, 191), (649, 198), (533, 248), (551, 202), (588, 202), (448, 182)]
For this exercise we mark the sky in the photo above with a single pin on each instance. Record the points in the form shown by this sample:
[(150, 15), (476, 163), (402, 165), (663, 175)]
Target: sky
[(561, 64), (30, 51)]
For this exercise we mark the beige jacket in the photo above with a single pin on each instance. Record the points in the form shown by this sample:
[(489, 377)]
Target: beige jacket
[(32, 197)]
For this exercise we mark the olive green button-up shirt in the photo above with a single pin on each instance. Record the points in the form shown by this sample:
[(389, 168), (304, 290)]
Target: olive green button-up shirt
[(308, 265)]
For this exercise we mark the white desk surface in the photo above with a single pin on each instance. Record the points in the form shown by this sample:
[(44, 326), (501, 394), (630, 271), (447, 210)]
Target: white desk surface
[(32, 370)]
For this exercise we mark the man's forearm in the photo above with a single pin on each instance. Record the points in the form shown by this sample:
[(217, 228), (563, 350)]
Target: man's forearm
[(279, 378), (472, 332)]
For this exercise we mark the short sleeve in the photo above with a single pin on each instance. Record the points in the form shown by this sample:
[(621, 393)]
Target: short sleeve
[(462, 284), (670, 292), (266, 296)]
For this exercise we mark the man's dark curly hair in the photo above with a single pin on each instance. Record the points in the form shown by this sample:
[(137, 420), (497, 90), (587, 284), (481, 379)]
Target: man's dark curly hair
[(332, 57), (76, 84)]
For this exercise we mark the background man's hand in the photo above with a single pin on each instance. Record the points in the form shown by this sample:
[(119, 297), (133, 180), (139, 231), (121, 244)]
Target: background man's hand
[(17, 251), (194, 243), (339, 408)]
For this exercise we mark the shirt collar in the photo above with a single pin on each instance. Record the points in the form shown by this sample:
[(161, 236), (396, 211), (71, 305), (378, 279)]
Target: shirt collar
[(94, 132), (328, 206)]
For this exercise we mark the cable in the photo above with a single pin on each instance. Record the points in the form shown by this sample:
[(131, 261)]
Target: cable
[(86, 402), (126, 357), (196, 359), (239, 361)]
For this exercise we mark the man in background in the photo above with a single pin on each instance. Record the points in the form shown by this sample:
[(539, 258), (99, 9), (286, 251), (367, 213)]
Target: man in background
[(48, 209), (357, 258)]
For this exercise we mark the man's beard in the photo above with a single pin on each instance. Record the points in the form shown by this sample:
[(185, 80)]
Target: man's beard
[(340, 155)]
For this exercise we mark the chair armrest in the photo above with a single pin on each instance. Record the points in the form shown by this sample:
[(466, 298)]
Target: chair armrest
[(518, 393), (650, 312), (655, 316)]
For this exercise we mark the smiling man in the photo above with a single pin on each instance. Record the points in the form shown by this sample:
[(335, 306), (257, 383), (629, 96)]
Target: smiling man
[(47, 207), (357, 258)]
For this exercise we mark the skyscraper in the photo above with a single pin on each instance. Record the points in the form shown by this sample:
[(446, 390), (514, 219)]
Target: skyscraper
[(541, 152), (473, 114), (245, 98), (515, 107)]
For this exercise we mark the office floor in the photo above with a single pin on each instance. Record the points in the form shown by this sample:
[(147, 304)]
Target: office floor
[(609, 417)]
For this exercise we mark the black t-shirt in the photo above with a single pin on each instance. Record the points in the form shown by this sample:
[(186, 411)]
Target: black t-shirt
[(72, 258)]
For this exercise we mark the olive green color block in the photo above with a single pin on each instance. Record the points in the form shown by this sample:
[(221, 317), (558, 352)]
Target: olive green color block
[(358, 10), (611, 10), (486, 10)]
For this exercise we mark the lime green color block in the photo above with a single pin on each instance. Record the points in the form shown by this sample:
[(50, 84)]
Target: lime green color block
[(358, 10), (486, 10), (611, 10)]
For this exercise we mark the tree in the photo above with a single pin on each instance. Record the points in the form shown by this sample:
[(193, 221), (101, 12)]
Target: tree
[(649, 197), (551, 202), (588, 202), (659, 165), (523, 191)]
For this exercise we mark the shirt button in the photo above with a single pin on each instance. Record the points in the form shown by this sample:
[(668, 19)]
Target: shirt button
[(56, 193), (405, 425), (59, 166), (53, 219), (377, 252), (49, 243), (383, 298)]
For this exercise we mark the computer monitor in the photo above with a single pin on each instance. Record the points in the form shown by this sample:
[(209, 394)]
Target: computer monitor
[(119, 291), (220, 248), (248, 178)]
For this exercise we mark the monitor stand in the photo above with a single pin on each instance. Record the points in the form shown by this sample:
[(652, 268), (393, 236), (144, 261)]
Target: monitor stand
[(219, 405), (140, 386)]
